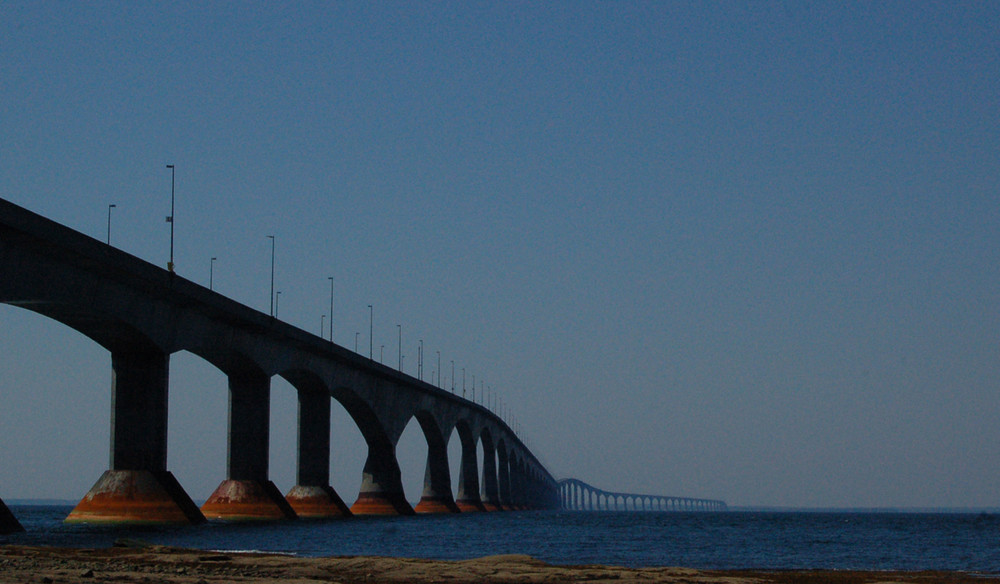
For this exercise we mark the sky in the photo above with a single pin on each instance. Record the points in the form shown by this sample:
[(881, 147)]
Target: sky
[(733, 250)]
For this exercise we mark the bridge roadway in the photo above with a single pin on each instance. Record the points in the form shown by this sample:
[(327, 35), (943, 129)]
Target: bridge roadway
[(142, 314), (576, 495)]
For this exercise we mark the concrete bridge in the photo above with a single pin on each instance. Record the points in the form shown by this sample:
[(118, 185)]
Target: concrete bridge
[(576, 495), (142, 314)]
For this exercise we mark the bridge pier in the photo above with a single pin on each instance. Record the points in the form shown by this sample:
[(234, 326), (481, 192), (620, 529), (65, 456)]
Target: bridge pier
[(517, 494), (468, 481), (490, 493), (137, 489), (312, 496), (503, 478), (436, 497), (247, 494), (8, 523), (381, 485)]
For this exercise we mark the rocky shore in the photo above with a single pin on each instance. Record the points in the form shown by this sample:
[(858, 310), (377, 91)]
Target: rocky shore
[(157, 564)]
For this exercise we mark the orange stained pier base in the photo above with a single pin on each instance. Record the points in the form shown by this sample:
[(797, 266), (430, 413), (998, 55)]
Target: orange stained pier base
[(247, 500), (473, 506), (436, 505), (316, 502), (136, 497), (490, 507), (381, 504), (8, 523)]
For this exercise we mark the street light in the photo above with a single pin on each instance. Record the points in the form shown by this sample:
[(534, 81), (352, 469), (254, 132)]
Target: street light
[(399, 346), (211, 273), (110, 207), (381, 354), (170, 220), (277, 297), (322, 325), (463, 381), (453, 376), (331, 308), (420, 361), (439, 370), (371, 329), (271, 237)]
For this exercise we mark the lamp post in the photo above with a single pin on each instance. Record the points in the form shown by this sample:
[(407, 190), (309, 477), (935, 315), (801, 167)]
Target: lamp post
[(211, 273), (331, 308), (420, 361), (463, 381), (399, 346), (371, 330), (277, 297), (439, 370), (271, 237), (110, 207), (381, 354), (452, 376), (170, 220)]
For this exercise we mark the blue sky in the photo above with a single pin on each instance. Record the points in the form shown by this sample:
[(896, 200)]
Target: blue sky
[(745, 251)]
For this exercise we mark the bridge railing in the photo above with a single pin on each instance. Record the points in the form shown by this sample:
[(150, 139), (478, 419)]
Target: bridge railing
[(576, 495)]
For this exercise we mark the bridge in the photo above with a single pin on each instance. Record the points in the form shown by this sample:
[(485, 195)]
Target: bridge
[(142, 314), (576, 495)]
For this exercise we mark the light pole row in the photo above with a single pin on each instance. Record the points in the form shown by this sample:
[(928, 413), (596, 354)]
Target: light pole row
[(497, 405)]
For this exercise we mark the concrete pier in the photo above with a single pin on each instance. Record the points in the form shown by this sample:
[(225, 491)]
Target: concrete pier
[(312, 497), (490, 493), (137, 488), (503, 478), (381, 485), (468, 500), (436, 496), (137, 497), (247, 494), (8, 523)]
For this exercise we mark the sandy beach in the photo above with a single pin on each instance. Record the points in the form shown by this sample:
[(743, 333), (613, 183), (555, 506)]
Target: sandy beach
[(157, 564)]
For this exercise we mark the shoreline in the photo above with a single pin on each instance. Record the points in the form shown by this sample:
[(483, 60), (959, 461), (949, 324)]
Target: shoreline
[(161, 564)]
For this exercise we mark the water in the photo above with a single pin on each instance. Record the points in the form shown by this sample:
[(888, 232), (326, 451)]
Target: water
[(773, 541)]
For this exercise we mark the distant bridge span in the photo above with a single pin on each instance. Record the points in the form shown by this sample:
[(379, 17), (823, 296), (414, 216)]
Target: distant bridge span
[(143, 314), (576, 495)]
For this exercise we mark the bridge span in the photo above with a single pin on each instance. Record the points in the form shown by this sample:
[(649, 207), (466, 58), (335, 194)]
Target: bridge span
[(576, 495), (143, 314)]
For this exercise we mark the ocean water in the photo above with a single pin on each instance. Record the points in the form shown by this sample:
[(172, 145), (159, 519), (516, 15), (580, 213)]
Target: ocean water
[(758, 540)]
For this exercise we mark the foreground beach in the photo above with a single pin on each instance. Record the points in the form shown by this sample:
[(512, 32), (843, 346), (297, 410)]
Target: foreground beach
[(184, 566)]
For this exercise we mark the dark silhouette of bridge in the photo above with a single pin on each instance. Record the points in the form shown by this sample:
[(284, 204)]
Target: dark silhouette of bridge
[(576, 495), (143, 314)]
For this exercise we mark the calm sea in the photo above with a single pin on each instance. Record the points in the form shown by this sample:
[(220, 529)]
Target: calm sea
[(765, 540)]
